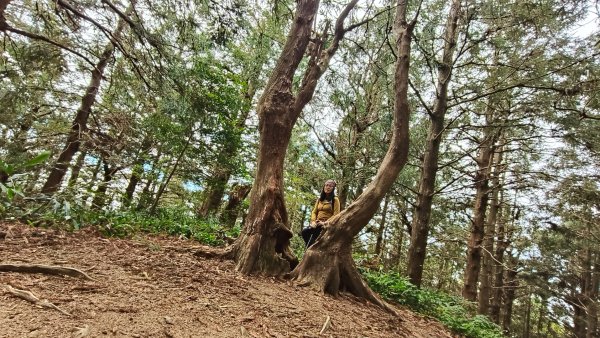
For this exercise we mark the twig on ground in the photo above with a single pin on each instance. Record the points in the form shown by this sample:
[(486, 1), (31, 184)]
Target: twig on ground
[(30, 297), (326, 325), (45, 269)]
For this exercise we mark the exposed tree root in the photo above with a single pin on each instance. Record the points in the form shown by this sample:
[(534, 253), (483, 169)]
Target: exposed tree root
[(45, 269), (219, 253), (30, 297), (331, 273)]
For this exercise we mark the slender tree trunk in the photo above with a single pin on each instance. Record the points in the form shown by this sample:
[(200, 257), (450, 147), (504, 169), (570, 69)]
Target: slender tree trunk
[(502, 243), (263, 245), (77, 168), (328, 264), (592, 318), (473, 266), (422, 212), (511, 285), (163, 186), (381, 229), (136, 172), (79, 126), (100, 196), (527, 319)]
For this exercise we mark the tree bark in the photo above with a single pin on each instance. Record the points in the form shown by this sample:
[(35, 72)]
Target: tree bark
[(79, 125), (422, 212), (327, 265), (263, 245)]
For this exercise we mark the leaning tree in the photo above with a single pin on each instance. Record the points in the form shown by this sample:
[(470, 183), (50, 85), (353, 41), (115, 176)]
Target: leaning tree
[(328, 265)]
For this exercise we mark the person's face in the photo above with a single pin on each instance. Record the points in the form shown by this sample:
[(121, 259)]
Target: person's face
[(329, 187)]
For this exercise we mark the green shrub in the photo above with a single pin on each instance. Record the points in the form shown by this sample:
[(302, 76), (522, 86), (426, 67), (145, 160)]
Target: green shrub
[(454, 312)]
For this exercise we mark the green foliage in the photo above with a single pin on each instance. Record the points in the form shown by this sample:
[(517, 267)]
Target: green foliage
[(453, 312), (11, 188)]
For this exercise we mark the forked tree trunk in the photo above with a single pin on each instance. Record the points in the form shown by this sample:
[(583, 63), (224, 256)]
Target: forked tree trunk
[(77, 169), (420, 224), (263, 245), (79, 125), (328, 265), (100, 196), (238, 193)]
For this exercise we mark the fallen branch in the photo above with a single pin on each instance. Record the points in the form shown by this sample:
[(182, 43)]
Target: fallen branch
[(45, 269), (30, 297)]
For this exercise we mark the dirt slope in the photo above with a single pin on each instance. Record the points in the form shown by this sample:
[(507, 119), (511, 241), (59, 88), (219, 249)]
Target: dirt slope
[(155, 287)]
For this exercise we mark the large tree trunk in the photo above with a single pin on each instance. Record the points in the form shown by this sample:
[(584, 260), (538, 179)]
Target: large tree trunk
[(486, 279), (79, 126), (328, 265), (420, 224), (263, 245)]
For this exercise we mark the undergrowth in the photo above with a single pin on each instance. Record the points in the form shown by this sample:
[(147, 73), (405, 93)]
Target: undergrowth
[(454, 312)]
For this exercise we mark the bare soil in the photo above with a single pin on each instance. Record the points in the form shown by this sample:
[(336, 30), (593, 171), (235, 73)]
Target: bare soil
[(153, 286)]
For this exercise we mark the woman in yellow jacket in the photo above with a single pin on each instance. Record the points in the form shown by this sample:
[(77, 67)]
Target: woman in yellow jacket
[(326, 206)]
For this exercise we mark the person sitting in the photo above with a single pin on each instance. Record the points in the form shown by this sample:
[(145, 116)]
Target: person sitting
[(327, 205)]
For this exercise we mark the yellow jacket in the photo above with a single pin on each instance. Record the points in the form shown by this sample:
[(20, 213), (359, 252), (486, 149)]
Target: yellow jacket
[(323, 210)]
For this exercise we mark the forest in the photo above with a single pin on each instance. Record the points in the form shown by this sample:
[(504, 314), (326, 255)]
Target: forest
[(464, 138)]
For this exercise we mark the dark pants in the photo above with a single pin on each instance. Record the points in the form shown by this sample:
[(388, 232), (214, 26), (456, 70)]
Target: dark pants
[(310, 235)]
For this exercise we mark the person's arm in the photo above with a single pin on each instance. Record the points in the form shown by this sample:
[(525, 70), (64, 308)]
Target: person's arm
[(336, 206), (313, 214)]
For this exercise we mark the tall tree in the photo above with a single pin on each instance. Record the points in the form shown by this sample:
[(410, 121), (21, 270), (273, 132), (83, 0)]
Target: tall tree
[(79, 125), (429, 167)]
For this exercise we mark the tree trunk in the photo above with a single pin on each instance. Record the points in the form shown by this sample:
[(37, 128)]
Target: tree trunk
[(328, 264), (263, 245), (76, 169), (79, 126), (381, 229), (527, 319), (592, 318), (239, 192), (482, 176), (422, 212), (100, 196), (163, 186), (501, 246), (511, 285), (487, 270), (136, 172)]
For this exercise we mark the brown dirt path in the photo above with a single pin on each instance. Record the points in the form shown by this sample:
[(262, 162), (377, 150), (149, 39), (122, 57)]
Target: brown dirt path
[(152, 286)]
